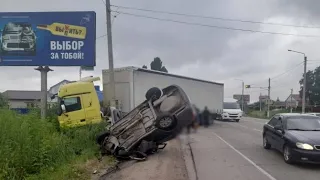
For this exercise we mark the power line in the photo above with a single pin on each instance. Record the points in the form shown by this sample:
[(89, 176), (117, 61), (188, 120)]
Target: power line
[(216, 27), (287, 71), (215, 18)]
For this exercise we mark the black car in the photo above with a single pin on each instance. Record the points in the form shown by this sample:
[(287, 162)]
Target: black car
[(297, 136), (18, 38)]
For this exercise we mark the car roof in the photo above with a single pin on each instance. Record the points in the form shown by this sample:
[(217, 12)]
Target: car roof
[(292, 114)]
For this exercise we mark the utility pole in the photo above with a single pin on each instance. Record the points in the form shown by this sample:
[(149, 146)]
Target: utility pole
[(291, 101), (269, 101), (110, 55), (242, 99), (304, 79), (304, 85), (260, 101), (80, 72)]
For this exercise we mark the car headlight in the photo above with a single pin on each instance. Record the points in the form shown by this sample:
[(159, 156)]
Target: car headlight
[(304, 146), (5, 37)]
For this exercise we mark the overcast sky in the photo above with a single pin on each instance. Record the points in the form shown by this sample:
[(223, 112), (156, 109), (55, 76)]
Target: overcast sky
[(200, 52)]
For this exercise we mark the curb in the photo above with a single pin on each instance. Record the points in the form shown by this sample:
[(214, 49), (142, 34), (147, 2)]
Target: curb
[(187, 155)]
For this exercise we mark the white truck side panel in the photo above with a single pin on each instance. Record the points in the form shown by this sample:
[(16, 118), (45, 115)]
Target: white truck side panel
[(123, 87), (200, 93)]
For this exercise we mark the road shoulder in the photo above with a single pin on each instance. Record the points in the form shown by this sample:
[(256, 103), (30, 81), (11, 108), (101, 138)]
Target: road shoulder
[(166, 164)]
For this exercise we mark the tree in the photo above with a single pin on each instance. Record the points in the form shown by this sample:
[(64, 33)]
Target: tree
[(156, 65), (312, 87), (145, 67), (3, 101)]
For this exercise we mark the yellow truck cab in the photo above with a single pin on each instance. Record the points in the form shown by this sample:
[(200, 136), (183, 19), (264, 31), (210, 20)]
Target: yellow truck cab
[(79, 103)]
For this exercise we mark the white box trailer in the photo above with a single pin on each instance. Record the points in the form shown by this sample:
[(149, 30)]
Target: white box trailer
[(131, 84)]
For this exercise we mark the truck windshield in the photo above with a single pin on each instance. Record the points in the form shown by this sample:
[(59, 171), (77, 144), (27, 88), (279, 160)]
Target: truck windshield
[(231, 105)]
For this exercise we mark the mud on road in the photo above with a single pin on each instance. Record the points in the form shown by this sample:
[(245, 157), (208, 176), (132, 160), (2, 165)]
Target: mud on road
[(167, 164)]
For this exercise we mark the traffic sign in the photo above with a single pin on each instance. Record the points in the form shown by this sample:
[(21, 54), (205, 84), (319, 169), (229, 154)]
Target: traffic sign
[(48, 38)]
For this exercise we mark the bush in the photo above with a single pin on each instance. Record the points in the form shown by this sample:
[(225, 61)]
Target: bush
[(29, 145)]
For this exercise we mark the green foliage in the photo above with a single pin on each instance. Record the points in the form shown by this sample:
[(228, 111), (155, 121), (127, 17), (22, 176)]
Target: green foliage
[(3, 102), (312, 86), (263, 114), (31, 146), (156, 65)]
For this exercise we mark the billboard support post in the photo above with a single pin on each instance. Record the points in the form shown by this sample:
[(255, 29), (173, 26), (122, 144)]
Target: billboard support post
[(44, 92)]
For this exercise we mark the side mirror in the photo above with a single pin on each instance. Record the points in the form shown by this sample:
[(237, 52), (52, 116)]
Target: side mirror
[(278, 127), (63, 108)]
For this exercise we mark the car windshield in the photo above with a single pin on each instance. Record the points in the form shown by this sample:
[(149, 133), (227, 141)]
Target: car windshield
[(305, 123), (231, 105), (12, 27)]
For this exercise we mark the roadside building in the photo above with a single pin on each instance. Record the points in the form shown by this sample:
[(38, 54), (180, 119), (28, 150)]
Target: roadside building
[(22, 100), (279, 104), (293, 101)]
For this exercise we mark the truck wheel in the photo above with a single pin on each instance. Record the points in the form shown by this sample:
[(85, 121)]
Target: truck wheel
[(166, 122), (100, 138), (153, 93)]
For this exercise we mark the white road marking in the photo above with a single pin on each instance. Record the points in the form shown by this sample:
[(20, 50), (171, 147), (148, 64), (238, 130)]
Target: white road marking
[(246, 158)]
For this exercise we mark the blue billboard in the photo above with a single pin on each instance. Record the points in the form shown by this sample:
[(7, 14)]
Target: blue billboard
[(48, 38)]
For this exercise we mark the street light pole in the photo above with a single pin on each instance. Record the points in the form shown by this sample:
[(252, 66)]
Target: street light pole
[(242, 94), (304, 85), (304, 80), (242, 99)]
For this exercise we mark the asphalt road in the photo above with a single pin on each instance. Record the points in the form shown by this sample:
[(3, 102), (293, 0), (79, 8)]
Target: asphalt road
[(233, 151)]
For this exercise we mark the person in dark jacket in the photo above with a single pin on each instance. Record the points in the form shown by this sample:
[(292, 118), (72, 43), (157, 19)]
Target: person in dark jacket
[(206, 116)]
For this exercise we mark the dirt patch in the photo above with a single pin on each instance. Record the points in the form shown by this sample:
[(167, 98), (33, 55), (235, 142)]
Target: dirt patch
[(164, 165)]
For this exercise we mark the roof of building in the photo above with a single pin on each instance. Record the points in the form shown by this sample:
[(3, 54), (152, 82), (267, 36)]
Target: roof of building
[(296, 97), (67, 81), (162, 73), (22, 95)]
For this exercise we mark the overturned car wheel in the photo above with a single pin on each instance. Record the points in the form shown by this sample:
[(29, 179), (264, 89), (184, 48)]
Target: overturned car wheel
[(153, 93), (166, 122)]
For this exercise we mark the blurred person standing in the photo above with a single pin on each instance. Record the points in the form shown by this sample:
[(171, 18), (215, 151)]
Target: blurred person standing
[(205, 116)]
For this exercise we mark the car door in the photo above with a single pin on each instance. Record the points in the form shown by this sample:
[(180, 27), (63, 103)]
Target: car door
[(269, 132), (278, 135)]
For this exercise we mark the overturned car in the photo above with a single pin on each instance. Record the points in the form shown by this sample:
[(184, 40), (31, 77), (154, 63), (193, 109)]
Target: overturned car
[(145, 129)]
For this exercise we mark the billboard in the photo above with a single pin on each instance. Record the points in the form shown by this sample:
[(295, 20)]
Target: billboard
[(246, 97), (47, 38)]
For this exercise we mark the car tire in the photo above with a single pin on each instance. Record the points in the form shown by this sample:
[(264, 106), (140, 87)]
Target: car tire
[(287, 156), (153, 93), (266, 144), (100, 138), (166, 122), (237, 120)]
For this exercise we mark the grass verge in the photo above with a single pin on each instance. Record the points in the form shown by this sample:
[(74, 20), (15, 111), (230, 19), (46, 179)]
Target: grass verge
[(263, 114), (31, 148)]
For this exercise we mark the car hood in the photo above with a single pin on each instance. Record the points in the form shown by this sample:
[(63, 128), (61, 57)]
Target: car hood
[(311, 137), (232, 110)]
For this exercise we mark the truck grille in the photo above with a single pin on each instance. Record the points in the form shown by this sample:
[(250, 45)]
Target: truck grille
[(317, 147), (14, 37)]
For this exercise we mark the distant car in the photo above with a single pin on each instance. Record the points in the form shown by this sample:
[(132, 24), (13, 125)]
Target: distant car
[(147, 127), (18, 39), (296, 136)]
